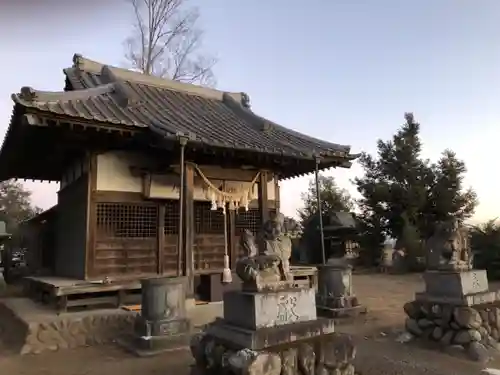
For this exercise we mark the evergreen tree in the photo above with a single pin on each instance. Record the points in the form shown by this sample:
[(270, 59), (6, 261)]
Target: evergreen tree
[(403, 195), (447, 197), (332, 198), (396, 185)]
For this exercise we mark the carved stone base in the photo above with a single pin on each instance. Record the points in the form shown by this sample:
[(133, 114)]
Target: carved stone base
[(337, 302), (455, 284), (165, 327), (341, 312), (269, 309), (328, 354), (148, 347), (239, 338), (155, 337)]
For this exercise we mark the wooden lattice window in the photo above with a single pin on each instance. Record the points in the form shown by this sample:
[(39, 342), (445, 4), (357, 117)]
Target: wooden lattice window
[(171, 217), (248, 220), (126, 220), (206, 220)]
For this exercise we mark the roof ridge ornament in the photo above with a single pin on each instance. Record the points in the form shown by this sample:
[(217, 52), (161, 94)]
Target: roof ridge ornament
[(245, 100), (27, 93), (83, 64)]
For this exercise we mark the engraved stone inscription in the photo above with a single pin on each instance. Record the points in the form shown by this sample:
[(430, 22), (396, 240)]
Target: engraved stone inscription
[(475, 281), (286, 309), (169, 328)]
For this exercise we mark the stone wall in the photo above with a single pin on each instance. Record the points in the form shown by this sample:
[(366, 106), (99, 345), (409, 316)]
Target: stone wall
[(35, 335), (73, 333), (331, 354), (476, 328)]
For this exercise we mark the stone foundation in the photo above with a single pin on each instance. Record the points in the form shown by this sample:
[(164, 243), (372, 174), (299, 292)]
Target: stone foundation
[(330, 354), (476, 328), (70, 333), (340, 307), (36, 329)]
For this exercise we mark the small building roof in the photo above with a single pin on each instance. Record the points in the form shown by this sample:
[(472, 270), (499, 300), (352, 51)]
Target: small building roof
[(130, 100)]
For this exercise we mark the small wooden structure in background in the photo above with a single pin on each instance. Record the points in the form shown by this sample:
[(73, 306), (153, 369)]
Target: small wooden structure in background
[(340, 234), (112, 141)]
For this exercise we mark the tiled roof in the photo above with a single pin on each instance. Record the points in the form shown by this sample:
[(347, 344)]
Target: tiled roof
[(117, 96)]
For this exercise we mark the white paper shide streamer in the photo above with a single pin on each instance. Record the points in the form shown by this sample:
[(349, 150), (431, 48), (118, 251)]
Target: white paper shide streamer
[(232, 195)]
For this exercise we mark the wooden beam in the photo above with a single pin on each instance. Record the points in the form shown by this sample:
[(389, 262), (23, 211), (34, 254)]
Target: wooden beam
[(189, 229), (263, 197)]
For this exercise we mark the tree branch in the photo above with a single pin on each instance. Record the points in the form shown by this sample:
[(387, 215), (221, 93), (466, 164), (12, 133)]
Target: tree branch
[(168, 43)]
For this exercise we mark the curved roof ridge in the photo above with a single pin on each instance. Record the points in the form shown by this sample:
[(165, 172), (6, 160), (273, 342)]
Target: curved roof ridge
[(87, 65), (29, 94)]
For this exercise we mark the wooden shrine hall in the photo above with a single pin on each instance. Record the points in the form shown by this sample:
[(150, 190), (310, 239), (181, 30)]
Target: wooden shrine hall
[(156, 178)]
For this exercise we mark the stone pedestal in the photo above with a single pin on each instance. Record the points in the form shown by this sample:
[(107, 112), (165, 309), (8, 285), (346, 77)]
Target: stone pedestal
[(270, 309), (275, 332), (456, 309), (335, 293), (455, 284), (162, 324), (459, 288)]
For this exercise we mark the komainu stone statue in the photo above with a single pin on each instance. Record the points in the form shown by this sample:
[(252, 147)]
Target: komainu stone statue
[(267, 267), (448, 248)]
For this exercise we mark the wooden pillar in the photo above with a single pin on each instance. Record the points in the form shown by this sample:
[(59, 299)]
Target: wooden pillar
[(276, 193), (189, 229), (263, 197), (161, 238), (91, 221), (233, 243)]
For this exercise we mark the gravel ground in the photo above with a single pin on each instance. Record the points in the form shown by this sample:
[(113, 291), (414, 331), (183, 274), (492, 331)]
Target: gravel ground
[(378, 352)]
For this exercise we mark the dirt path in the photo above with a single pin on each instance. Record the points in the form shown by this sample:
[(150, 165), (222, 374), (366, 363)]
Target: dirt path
[(378, 353)]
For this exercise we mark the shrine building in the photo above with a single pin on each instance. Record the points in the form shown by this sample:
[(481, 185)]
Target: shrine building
[(156, 178)]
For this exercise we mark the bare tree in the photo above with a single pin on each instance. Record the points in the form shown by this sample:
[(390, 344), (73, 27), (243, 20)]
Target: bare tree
[(166, 42)]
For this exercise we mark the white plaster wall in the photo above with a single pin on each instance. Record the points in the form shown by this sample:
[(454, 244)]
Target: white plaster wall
[(114, 174)]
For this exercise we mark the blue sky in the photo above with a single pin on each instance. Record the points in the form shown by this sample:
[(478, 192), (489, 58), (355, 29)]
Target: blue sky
[(344, 71)]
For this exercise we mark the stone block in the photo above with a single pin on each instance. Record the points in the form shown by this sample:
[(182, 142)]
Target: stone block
[(343, 312), (269, 309), (334, 280), (239, 338), (152, 337), (148, 328), (466, 300), (151, 346), (455, 284), (163, 298)]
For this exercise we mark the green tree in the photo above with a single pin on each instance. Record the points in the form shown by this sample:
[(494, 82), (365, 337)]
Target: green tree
[(485, 243), (404, 194), (15, 204), (395, 186), (447, 195), (332, 198)]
